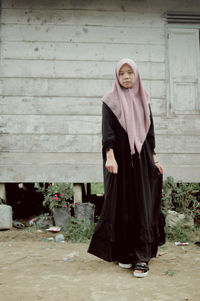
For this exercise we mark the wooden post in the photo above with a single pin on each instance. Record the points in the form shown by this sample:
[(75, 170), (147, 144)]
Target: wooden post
[(88, 189), (78, 197), (3, 191)]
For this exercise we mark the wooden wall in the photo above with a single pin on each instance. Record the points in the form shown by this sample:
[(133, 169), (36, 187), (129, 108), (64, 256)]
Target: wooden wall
[(57, 61)]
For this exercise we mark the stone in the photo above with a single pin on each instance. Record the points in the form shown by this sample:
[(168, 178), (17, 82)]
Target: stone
[(61, 216), (84, 211), (188, 222), (6, 219), (174, 217)]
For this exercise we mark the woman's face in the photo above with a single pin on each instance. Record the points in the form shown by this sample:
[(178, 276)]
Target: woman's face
[(126, 76)]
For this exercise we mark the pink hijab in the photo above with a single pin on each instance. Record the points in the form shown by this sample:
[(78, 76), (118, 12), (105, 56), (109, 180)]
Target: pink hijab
[(130, 106)]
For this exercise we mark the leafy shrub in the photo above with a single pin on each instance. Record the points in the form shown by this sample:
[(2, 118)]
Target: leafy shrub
[(56, 195), (78, 230), (178, 233), (181, 197)]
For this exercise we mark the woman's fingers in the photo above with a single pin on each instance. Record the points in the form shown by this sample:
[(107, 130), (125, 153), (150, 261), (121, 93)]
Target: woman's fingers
[(112, 168), (115, 169), (160, 168)]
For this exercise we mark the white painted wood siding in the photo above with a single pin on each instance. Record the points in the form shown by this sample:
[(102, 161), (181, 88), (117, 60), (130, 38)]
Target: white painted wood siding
[(57, 61)]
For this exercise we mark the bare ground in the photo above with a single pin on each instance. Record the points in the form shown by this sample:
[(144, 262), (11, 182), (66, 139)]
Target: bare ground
[(32, 269)]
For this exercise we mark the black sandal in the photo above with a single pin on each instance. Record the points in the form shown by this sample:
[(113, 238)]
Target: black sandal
[(143, 267)]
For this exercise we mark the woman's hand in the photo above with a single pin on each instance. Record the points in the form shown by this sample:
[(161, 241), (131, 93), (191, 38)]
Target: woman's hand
[(111, 164), (160, 168), (158, 165)]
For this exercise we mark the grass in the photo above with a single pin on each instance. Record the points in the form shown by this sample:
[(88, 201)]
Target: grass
[(78, 230), (179, 233), (170, 272), (97, 188)]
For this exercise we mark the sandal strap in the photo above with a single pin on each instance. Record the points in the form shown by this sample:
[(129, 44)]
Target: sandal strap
[(141, 267)]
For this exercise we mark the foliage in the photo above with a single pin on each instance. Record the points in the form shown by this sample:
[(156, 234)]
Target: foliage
[(170, 272), (181, 197), (78, 230), (44, 216), (56, 195), (178, 233), (97, 188)]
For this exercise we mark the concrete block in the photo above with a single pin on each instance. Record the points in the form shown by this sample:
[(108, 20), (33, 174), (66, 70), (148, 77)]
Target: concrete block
[(6, 219), (61, 216), (85, 211)]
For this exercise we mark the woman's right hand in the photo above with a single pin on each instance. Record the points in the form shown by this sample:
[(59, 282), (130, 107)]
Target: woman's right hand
[(111, 164)]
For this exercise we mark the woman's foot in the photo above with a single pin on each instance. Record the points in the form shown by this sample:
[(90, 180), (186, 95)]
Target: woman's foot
[(141, 270), (125, 265)]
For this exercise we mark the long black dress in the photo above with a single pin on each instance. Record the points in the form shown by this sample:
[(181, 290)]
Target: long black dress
[(131, 215)]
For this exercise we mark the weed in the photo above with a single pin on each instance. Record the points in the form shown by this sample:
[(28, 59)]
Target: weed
[(78, 230), (178, 233), (170, 272), (181, 197)]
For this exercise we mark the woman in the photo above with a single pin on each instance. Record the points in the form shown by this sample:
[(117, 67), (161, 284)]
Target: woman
[(131, 225)]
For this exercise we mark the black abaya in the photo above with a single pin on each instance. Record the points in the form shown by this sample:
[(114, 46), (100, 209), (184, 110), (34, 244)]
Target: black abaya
[(131, 215)]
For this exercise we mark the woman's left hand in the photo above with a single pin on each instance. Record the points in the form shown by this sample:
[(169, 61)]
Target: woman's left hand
[(160, 168)]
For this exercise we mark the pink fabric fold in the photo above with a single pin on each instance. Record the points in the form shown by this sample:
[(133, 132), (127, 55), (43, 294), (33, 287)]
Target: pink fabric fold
[(130, 106)]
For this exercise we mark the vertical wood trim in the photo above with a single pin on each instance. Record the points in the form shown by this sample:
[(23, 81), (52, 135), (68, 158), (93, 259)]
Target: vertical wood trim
[(171, 86), (78, 195), (3, 191)]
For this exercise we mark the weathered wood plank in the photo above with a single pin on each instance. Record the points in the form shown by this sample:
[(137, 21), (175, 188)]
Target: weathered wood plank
[(177, 144), (50, 105), (67, 17), (61, 124), (180, 125), (50, 143), (183, 173), (79, 173), (52, 158), (167, 160), (82, 34), (51, 173), (62, 4), (174, 160), (113, 5), (12, 105), (83, 167), (22, 124), (70, 87), (55, 87), (88, 143), (72, 69), (81, 51)]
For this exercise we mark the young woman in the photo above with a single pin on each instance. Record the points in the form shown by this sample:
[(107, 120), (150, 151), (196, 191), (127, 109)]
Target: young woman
[(131, 225)]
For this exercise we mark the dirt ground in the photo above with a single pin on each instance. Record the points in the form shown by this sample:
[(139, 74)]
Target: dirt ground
[(33, 269)]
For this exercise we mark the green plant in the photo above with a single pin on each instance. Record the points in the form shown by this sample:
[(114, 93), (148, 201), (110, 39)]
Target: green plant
[(181, 197), (78, 230), (178, 233), (56, 195), (97, 188), (170, 272)]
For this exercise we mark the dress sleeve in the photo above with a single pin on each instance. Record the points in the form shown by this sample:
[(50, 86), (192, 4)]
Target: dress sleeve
[(108, 133), (151, 135)]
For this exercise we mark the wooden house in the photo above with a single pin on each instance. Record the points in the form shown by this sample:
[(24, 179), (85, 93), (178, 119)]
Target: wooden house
[(57, 61)]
